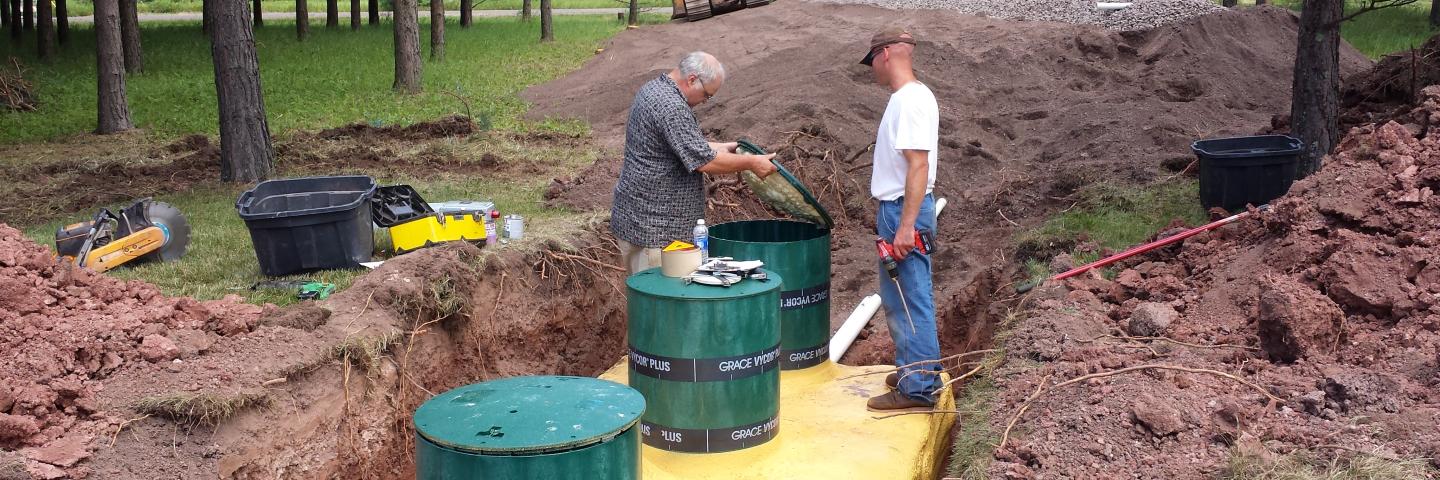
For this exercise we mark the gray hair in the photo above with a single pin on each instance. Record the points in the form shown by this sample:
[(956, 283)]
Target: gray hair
[(702, 65)]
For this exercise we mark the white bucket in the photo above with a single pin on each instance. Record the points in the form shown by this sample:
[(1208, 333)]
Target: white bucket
[(514, 227)]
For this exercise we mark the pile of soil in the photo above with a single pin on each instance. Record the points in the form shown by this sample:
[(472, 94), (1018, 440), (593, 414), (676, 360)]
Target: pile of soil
[(1030, 112), (1330, 303), (1392, 88), (65, 330)]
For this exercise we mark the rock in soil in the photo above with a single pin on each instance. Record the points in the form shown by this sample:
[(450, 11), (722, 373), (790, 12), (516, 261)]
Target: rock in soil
[(1295, 320), (1151, 319)]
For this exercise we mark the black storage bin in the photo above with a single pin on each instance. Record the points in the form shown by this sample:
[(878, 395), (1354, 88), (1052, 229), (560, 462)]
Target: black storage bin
[(397, 204), (1240, 170), (314, 223)]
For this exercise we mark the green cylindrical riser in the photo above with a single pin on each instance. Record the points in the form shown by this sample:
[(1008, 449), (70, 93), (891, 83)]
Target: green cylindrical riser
[(800, 253), (617, 459), (707, 361)]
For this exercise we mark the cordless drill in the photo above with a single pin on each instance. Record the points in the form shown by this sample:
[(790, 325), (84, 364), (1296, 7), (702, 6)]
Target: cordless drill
[(924, 243)]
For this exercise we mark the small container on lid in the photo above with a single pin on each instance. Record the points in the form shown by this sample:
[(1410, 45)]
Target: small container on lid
[(530, 427)]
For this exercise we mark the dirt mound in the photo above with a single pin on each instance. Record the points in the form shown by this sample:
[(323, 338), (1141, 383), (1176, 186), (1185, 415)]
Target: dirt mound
[(1392, 88), (1030, 112), (64, 330), (1330, 303), (446, 127)]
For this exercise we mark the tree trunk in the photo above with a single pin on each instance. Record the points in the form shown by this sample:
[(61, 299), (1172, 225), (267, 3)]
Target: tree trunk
[(374, 12), (29, 15), (1229, 3), (1435, 13), (634, 13), (407, 46), (1315, 97), (355, 14), (302, 19), (245, 151), (130, 36), (546, 25), (466, 9), (12, 8), (1259, 2), (4, 13), (113, 110), (45, 32), (62, 22), (437, 30), (259, 16), (207, 17), (332, 13), (525, 10)]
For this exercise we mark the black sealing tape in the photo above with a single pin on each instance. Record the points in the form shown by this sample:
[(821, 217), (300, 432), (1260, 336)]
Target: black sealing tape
[(796, 299), (712, 440), (704, 369), (804, 357)]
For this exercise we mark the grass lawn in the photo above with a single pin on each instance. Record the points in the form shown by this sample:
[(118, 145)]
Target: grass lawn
[(1381, 32), (221, 259), (332, 78), (80, 8)]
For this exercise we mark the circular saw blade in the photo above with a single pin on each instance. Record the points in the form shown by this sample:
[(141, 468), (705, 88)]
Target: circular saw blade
[(176, 227)]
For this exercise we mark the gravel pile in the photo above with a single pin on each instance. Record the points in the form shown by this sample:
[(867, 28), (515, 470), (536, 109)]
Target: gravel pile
[(1141, 15)]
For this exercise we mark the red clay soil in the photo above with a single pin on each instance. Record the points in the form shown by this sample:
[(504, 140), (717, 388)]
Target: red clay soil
[(1030, 112), (1330, 302), (330, 385), (64, 331)]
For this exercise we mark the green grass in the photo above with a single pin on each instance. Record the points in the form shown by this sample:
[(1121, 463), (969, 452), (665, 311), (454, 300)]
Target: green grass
[(84, 8), (334, 77), (1381, 32), (1116, 217), (221, 259), (1303, 465)]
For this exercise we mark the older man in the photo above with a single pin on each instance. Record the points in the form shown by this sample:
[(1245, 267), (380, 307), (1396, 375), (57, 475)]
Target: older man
[(660, 193), (901, 180)]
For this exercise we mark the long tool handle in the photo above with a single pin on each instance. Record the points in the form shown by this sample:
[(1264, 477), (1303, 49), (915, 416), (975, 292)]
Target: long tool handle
[(905, 305), (1133, 251)]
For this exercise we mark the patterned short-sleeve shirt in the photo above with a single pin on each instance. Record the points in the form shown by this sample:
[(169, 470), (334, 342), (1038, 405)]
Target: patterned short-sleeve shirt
[(660, 192)]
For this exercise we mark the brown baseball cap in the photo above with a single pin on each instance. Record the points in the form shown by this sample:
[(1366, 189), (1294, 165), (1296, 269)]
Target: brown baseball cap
[(888, 36)]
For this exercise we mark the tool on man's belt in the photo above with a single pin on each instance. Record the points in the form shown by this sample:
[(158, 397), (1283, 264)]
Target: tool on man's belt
[(145, 231), (304, 289)]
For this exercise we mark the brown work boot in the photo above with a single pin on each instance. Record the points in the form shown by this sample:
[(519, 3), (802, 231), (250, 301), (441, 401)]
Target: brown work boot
[(893, 380), (897, 402)]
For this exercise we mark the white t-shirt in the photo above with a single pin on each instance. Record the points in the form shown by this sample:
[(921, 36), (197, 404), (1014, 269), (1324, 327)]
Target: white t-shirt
[(911, 122)]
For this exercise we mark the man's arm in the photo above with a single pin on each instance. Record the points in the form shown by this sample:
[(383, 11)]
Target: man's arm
[(730, 162), (917, 177)]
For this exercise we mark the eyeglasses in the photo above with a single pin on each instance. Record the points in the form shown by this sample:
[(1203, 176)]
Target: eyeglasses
[(704, 89)]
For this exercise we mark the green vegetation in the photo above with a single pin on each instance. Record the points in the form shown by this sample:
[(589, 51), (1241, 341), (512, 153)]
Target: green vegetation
[(1381, 32), (221, 260), (200, 409), (1303, 465), (1114, 217), (334, 77), (81, 8)]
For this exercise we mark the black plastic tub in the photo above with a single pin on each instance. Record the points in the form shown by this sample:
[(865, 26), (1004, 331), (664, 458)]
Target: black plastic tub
[(305, 224), (1246, 170)]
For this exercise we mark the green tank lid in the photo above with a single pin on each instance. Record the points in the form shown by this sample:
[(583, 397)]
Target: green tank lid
[(651, 282), (529, 415)]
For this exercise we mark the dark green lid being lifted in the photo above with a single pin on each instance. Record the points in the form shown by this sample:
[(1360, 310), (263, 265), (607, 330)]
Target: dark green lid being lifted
[(784, 191), (529, 415)]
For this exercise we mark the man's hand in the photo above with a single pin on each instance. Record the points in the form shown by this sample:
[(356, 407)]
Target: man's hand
[(763, 167), (728, 147), (904, 240)]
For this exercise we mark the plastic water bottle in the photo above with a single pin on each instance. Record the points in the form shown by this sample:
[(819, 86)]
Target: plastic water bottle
[(702, 240)]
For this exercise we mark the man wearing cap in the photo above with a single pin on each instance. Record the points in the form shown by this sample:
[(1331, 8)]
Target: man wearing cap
[(660, 193), (901, 178)]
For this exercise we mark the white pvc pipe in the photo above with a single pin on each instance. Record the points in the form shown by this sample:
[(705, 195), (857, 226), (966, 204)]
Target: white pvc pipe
[(940, 206), (1111, 6), (852, 326)]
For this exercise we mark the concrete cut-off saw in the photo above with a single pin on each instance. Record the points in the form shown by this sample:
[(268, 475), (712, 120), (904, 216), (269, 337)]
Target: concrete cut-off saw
[(143, 232)]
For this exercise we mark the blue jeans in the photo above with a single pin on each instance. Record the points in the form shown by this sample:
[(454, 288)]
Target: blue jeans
[(923, 343)]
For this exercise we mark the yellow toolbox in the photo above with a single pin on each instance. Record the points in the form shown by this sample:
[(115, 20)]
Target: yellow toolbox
[(437, 228)]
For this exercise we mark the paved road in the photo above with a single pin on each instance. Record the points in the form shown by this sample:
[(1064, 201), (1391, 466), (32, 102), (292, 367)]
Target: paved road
[(195, 16)]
